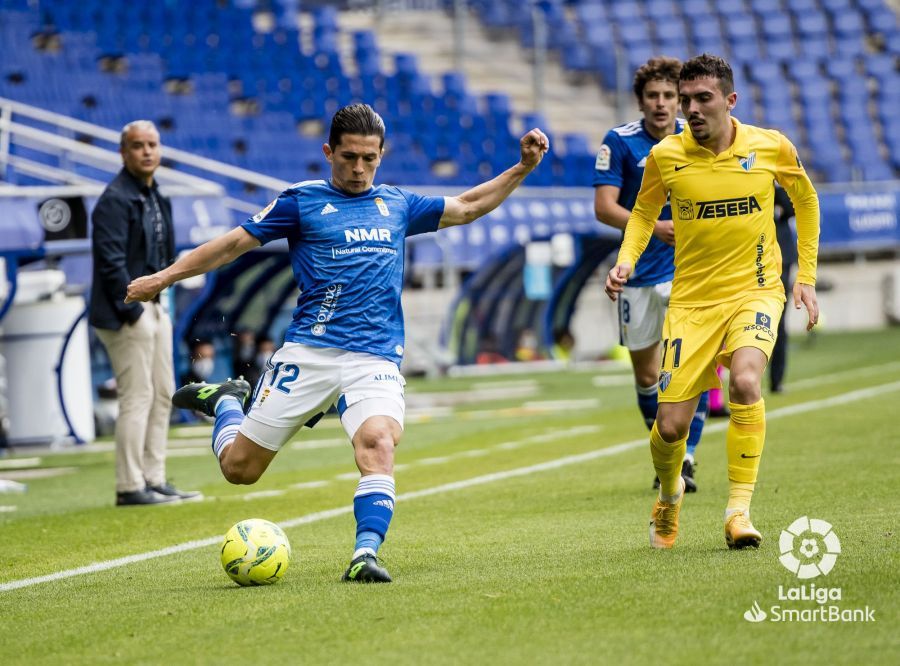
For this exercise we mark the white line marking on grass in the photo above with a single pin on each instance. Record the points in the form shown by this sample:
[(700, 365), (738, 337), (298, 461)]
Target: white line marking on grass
[(189, 442), (612, 380), (8, 508), (264, 493), (565, 461), (560, 405), (309, 484), (863, 371), (19, 463), (175, 452)]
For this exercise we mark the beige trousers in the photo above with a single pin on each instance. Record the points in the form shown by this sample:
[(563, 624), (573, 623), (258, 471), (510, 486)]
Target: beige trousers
[(141, 357)]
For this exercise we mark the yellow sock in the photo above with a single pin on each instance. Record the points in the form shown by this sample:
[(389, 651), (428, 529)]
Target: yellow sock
[(744, 442), (667, 458)]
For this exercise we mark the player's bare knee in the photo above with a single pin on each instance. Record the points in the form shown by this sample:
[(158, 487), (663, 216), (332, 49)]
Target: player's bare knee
[(671, 431), (238, 472), (671, 427), (378, 439), (645, 377), (744, 387)]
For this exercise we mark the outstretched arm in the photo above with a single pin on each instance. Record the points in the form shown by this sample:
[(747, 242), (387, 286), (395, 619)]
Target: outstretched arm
[(202, 259), (482, 199)]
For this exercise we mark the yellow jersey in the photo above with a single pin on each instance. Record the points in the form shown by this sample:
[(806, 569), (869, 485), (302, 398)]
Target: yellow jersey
[(723, 213)]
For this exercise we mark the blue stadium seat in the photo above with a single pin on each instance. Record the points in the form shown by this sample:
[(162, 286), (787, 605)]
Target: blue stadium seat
[(883, 68), (626, 12), (740, 27), (848, 23), (782, 49), (765, 72), (776, 25), (696, 10), (764, 8), (661, 11), (818, 48), (812, 24), (841, 68), (801, 7), (634, 34)]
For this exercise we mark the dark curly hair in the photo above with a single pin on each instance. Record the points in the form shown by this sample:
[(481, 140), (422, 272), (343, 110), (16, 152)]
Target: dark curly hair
[(708, 66), (660, 68)]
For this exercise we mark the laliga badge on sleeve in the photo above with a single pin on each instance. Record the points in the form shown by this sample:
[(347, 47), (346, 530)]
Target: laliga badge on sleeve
[(603, 158)]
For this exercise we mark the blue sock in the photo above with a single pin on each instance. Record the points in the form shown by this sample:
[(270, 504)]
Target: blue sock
[(646, 396), (697, 423), (229, 416), (373, 507)]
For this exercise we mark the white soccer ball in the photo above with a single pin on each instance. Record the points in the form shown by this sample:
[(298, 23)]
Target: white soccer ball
[(255, 552)]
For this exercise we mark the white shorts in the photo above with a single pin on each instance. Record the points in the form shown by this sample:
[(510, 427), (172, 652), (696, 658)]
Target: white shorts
[(301, 383), (642, 311)]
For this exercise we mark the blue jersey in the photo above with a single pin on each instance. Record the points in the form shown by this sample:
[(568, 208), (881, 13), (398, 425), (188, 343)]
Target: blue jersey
[(347, 256), (620, 162)]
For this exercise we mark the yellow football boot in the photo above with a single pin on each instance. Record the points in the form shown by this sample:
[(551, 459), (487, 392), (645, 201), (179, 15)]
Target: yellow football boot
[(740, 533), (664, 521)]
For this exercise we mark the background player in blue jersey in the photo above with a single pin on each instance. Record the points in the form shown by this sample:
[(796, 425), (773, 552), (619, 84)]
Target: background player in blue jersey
[(344, 345), (618, 172)]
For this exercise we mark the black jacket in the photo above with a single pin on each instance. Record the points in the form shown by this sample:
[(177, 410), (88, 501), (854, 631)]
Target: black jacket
[(120, 240)]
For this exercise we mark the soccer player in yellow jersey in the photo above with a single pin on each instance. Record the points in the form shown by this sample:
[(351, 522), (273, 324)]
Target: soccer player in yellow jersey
[(726, 294)]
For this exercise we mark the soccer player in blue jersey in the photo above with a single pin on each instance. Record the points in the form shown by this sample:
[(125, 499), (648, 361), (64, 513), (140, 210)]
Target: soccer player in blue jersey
[(345, 343), (618, 172)]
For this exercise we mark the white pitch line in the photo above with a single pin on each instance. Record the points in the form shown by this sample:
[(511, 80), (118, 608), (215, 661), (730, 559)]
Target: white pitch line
[(264, 493), (844, 374), (309, 484), (565, 461)]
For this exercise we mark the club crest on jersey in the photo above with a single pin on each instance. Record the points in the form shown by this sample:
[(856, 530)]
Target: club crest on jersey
[(685, 209), (260, 216), (318, 329), (382, 207), (665, 378), (603, 158), (748, 162)]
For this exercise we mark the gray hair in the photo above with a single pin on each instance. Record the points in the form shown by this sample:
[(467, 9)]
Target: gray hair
[(136, 124)]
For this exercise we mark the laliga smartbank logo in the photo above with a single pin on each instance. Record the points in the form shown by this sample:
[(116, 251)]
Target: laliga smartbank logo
[(809, 548)]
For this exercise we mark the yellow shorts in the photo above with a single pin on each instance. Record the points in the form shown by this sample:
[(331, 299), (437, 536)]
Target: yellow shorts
[(696, 340)]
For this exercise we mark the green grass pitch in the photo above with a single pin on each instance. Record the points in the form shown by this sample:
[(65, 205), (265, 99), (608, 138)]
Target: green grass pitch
[(520, 536)]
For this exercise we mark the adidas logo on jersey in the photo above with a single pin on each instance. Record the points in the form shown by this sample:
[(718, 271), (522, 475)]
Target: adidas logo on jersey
[(328, 209)]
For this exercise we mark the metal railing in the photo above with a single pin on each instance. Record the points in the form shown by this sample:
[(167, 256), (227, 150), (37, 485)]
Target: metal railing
[(75, 142)]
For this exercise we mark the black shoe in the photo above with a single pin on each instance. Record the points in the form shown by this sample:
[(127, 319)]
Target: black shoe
[(168, 490), (365, 569), (655, 483), (144, 497), (202, 397), (687, 473)]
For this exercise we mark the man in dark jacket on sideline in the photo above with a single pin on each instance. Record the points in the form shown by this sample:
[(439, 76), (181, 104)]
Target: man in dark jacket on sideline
[(133, 236)]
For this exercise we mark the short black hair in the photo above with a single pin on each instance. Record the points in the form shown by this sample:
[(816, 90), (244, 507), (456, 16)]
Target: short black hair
[(708, 66), (359, 119), (659, 68)]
